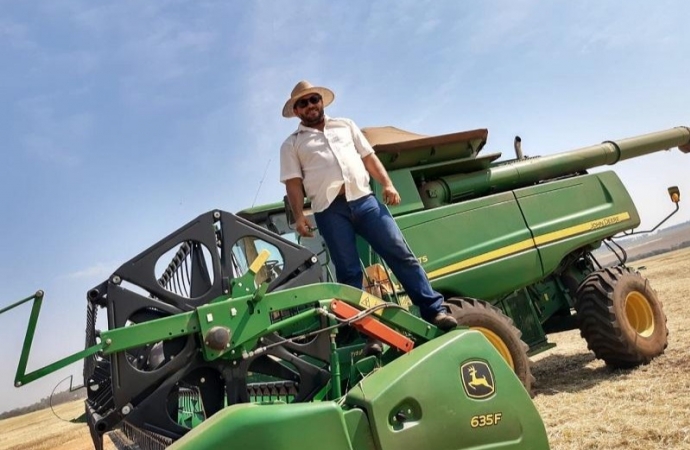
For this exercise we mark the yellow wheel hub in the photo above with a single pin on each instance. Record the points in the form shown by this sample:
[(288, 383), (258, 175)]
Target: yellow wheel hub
[(639, 314), (498, 343)]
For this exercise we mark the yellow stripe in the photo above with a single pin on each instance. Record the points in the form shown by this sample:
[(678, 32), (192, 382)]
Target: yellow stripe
[(578, 229), (529, 243), (486, 257)]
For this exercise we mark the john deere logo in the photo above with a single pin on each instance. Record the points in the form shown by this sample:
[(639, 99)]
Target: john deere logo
[(477, 379)]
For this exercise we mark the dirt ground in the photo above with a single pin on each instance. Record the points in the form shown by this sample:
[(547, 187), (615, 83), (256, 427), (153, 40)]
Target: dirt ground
[(584, 404), (48, 430)]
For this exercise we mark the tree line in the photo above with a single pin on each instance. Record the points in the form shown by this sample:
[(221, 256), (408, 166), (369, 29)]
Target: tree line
[(57, 399), (659, 251)]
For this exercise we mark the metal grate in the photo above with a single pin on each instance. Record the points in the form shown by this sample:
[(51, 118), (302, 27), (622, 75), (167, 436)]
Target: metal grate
[(177, 277), (129, 437), (278, 391)]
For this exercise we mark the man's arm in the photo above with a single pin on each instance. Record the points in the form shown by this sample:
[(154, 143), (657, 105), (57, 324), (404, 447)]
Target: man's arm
[(378, 172), (373, 165), (295, 194)]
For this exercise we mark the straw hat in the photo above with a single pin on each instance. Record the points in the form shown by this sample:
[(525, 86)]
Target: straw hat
[(305, 88)]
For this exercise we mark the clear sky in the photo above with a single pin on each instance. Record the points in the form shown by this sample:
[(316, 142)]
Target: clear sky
[(123, 120)]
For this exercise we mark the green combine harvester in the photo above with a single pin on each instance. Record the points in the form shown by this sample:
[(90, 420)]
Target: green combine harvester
[(230, 332)]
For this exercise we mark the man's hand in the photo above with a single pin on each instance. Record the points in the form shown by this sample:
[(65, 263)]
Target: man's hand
[(390, 195), (303, 227), (373, 165)]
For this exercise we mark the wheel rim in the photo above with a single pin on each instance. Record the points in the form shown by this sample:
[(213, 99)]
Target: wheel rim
[(639, 314), (498, 343)]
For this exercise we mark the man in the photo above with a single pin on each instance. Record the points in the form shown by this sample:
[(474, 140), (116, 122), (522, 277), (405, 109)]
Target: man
[(331, 160)]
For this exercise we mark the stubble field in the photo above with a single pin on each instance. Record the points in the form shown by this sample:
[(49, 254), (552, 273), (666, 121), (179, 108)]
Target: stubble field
[(48, 430), (584, 404)]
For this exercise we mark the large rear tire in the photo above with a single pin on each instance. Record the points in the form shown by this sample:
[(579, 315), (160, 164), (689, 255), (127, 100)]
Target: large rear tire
[(620, 317), (499, 330)]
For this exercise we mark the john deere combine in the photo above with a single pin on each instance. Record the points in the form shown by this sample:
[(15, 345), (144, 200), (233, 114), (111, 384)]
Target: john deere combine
[(509, 243), (229, 332)]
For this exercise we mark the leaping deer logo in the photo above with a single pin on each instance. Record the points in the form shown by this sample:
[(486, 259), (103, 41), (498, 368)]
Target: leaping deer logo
[(477, 381)]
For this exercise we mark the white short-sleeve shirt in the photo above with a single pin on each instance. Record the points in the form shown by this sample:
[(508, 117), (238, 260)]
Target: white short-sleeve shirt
[(327, 160)]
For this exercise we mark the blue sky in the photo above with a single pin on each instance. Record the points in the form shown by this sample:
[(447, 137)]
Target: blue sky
[(121, 121)]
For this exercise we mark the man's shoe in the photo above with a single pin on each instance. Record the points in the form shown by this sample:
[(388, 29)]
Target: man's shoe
[(445, 321), (373, 347)]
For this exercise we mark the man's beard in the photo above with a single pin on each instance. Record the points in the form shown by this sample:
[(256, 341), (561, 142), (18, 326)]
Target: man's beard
[(311, 122)]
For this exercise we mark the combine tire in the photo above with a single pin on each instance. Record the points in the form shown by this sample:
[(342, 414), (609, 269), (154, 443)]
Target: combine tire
[(620, 317), (499, 330)]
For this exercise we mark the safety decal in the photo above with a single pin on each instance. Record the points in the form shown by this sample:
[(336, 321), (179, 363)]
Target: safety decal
[(367, 301)]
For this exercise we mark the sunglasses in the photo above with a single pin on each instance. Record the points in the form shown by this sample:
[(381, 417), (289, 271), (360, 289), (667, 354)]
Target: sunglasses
[(303, 102)]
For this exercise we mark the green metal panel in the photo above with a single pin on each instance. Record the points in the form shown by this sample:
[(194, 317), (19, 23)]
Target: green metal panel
[(520, 308), (459, 246), (406, 187), (424, 400), (296, 426), (581, 211), (358, 429), (492, 279), (421, 400), (551, 296)]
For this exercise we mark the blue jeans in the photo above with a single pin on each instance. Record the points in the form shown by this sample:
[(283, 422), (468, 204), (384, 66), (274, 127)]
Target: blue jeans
[(342, 221)]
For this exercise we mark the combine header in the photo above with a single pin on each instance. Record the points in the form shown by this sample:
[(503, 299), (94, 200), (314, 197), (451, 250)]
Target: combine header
[(224, 343)]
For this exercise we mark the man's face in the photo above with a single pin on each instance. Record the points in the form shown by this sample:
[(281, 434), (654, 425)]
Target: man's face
[(309, 109)]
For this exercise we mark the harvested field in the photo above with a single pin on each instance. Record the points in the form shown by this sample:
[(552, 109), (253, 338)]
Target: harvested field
[(42, 430), (584, 404)]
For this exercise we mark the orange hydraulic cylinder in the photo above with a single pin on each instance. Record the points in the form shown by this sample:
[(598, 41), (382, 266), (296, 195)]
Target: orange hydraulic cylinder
[(372, 327)]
